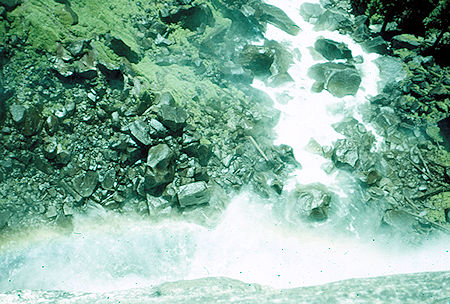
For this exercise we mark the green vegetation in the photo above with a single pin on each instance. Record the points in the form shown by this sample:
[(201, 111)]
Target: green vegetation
[(420, 17)]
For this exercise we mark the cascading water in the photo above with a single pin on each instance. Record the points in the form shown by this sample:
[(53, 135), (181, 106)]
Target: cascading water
[(257, 241)]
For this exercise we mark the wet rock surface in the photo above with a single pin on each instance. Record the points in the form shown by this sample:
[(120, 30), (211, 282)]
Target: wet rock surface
[(338, 78)]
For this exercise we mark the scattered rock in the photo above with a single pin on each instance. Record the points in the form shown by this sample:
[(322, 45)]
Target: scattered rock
[(159, 156), (192, 194), (173, 117), (311, 11), (312, 201), (278, 18), (345, 152), (28, 120), (17, 113), (406, 41), (332, 50), (140, 132), (86, 183), (338, 78)]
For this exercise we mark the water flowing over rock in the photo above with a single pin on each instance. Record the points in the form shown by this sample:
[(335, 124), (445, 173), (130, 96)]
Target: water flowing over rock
[(338, 78), (313, 201), (171, 133)]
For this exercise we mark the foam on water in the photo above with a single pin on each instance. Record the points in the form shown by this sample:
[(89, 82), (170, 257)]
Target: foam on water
[(250, 244)]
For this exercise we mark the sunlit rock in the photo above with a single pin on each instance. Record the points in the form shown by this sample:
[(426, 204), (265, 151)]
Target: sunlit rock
[(338, 78), (159, 156), (345, 152), (278, 18), (140, 131), (196, 193), (332, 50), (407, 41), (311, 11), (86, 183), (312, 201)]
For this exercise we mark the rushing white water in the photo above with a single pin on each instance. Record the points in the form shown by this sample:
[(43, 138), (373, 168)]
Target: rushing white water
[(249, 244), (255, 241)]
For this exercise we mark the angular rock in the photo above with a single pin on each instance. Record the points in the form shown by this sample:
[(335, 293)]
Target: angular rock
[(86, 183), (159, 157), (76, 48), (28, 120), (257, 59), (192, 194), (338, 78), (332, 20), (361, 32), (155, 178), (375, 45), (4, 217), (278, 18), (122, 49), (174, 118), (311, 11), (345, 152), (313, 201), (406, 41), (140, 132), (17, 113), (157, 129), (332, 50)]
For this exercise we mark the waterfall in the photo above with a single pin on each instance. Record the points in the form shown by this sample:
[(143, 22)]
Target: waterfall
[(256, 240)]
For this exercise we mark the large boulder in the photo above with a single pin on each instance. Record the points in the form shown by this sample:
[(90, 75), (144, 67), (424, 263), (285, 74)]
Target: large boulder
[(140, 132), (375, 45), (172, 117), (406, 41), (338, 78), (192, 194), (310, 11), (345, 153), (332, 20), (332, 50), (278, 18), (159, 157), (312, 201)]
